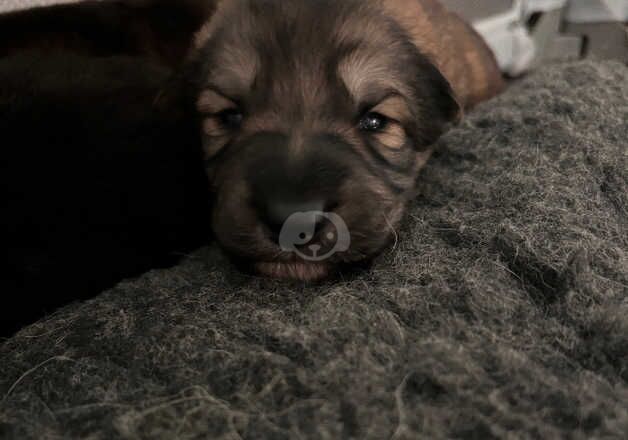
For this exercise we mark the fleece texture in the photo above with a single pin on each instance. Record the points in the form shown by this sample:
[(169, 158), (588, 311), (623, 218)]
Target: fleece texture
[(501, 311)]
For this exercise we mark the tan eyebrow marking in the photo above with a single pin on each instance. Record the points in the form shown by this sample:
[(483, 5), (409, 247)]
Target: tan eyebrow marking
[(367, 68), (212, 102), (394, 107)]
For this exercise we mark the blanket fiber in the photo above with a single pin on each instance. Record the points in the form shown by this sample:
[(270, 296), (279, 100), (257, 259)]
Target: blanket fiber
[(501, 311)]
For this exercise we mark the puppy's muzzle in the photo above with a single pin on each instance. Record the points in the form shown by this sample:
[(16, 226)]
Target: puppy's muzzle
[(285, 181)]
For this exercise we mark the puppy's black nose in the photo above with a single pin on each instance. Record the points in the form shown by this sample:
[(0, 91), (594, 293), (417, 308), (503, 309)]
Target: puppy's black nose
[(277, 211), (284, 182)]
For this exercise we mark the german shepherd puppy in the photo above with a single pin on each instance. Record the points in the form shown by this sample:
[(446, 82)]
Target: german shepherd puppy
[(324, 106), (316, 114)]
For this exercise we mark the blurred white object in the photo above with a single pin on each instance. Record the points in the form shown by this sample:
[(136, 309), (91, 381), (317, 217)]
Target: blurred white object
[(517, 46), (592, 11), (521, 33), (507, 36), (14, 5), (532, 6)]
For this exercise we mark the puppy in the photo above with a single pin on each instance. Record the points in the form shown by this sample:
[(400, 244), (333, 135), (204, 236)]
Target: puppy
[(316, 115), (321, 113)]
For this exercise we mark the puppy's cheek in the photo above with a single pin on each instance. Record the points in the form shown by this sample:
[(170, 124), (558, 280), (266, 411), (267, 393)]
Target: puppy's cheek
[(228, 179), (420, 160), (395, 147), (371, 211), (212, 147), (370, 238), (233, 221), (393, 138)]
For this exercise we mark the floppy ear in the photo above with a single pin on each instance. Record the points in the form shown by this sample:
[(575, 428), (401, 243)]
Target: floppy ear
[(458, 52), (438, 107)]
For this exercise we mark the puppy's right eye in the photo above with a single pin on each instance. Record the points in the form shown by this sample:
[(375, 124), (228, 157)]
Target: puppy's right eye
[(385, 122), (373, 122), (220, 113), (231, 118)]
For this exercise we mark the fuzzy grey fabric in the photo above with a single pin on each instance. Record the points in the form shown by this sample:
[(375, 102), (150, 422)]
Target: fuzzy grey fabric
[(501, 311)]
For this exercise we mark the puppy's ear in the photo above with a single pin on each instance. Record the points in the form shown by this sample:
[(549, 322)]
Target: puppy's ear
[(438, 105), (456, 49)]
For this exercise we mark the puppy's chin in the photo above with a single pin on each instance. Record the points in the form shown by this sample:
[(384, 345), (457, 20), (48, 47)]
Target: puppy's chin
[(293, 270), (270, 262)]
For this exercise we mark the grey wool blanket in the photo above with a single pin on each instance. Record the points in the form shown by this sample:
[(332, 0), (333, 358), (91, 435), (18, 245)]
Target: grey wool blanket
[(500, 312)]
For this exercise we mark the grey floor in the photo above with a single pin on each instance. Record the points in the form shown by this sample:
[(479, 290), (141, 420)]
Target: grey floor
[(604, 41)]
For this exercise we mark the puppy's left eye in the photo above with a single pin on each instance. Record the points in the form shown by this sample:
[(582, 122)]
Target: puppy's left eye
[(373, 122), (231, 118)]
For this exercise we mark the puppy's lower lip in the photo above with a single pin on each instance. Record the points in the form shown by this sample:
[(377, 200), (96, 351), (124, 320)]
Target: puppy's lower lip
[(301, 271)]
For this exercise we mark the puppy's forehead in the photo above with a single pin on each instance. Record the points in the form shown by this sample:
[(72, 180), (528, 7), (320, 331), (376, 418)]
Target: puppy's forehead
[(225, 47), (301, 46), (369, 72)]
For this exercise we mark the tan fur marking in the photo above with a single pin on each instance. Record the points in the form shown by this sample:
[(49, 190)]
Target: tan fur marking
[(210, 102), (218, 138), (394, 107), (393, 136), (361, 70)]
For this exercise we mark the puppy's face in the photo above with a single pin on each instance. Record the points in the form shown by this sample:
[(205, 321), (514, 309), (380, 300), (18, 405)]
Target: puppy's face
[(316, 118)]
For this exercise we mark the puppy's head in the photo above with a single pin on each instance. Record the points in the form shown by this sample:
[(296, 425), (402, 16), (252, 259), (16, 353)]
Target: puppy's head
[(316, 118)]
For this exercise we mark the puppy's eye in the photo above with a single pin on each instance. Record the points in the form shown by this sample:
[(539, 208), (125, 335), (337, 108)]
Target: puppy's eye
[(231, 118), (373, 122)]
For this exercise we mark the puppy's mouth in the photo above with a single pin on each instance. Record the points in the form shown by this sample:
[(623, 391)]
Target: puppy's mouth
[(294, 270)]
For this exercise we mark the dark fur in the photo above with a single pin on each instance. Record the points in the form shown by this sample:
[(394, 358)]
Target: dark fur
[(160, 29), (97, 183)]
